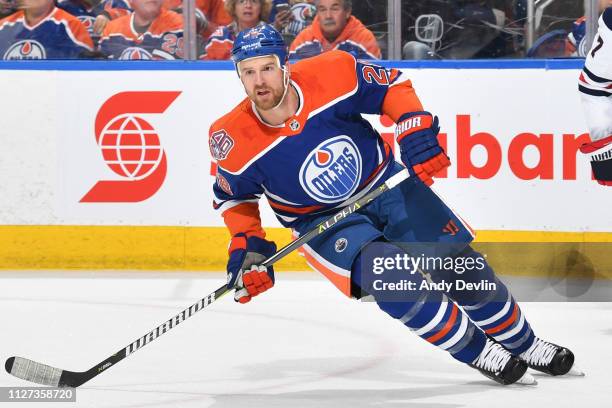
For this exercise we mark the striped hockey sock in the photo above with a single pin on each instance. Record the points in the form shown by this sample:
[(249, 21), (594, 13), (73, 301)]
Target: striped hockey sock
[(501, 318), (440, 322)]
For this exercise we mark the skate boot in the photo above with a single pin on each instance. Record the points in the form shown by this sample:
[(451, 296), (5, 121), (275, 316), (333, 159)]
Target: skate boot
[(501, 366), (550, 358)]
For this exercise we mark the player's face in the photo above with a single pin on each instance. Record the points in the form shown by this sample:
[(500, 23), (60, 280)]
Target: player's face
[(148, 9), (332, 16), (263, 81), (248, 12)]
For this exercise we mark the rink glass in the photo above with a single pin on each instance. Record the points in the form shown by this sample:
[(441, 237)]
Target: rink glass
[(433, 29)]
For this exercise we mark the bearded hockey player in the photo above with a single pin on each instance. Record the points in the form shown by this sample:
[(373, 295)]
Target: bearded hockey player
[(300, 140)]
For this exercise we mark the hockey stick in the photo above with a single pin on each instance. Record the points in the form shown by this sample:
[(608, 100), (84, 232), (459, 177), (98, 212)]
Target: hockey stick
[(55, 377)]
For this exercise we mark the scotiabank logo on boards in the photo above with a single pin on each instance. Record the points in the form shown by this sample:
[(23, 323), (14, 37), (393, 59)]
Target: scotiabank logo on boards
[(508, 153), (130, 147)]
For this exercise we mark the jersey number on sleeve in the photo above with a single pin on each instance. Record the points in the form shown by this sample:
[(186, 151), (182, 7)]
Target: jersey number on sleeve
[(598, 47), (375, 74)]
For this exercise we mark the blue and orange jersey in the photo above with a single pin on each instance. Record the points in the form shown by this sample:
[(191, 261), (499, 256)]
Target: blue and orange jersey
[(323, 155), (575, 43), (220, 43), (355, 39), (162, 40), (214, 10), (58, 36), (87, 14)]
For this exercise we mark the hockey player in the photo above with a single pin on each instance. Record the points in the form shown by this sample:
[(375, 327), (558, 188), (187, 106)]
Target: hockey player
[(39, 30), (300, 140), (150, 32), (595, 85)]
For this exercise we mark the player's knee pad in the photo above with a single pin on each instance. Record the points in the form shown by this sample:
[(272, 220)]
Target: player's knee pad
[(398, 291)]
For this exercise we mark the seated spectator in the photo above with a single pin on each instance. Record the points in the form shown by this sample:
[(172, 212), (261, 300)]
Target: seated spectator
[(88, 10), (575, 44), (334, 28), (39, 30), (245, 14), (7, 7), (210, 14), (149, 32)]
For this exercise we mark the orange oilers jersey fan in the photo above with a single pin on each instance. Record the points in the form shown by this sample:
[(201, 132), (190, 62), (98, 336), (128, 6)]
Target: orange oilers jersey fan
[(355, 39), (58, 36), (162, 40)]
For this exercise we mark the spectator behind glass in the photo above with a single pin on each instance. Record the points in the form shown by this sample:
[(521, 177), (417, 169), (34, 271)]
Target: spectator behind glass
[(39, 30), (150, 32), (210, 14), (7, 7), (334, 28), (575, 44), (246, 14), (291, 17), (88, 10)]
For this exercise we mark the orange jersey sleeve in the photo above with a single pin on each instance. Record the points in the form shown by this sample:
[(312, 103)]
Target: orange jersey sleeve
[(401, 98), (78, 30)]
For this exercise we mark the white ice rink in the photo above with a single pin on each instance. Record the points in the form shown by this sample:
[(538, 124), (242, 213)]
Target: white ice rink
[(300, 345)]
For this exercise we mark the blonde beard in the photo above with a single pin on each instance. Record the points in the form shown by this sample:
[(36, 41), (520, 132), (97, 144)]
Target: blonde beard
[(269, 105)]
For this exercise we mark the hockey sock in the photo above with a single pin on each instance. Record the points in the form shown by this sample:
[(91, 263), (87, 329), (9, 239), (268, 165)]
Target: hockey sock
[(428, 313), (494, 310)]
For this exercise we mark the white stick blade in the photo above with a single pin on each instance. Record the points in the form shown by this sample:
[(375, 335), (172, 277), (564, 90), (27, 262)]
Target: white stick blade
[(34, 372)]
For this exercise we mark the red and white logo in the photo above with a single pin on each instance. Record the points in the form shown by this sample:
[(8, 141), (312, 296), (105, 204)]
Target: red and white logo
[(130, 147)]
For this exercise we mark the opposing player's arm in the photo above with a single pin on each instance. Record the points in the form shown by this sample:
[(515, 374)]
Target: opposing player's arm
[(595, 86)]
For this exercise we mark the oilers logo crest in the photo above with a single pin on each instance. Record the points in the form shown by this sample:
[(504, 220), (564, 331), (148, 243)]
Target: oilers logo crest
[(25, 50), (303, 14), (331, 172), (135, 53)]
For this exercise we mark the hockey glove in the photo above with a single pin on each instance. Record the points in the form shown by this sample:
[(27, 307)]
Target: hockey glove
[(417, 136), (600, 152), (245, 273)]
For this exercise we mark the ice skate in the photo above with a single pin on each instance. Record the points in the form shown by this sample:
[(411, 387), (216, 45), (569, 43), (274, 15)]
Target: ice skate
[(501, 366), (550, 358)]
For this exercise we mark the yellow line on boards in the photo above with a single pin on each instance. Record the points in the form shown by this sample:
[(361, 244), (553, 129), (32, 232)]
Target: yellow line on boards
[(194, 248)]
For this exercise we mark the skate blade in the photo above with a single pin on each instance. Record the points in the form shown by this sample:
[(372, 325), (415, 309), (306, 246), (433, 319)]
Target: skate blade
[(576, 372), (527, 379)]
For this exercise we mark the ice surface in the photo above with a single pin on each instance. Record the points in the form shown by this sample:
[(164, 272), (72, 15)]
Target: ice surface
[(300, 345)]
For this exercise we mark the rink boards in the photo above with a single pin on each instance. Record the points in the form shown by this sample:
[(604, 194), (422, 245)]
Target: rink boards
[(68, 201)]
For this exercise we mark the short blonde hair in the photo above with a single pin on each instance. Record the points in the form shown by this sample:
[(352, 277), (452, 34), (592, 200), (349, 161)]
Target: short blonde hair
[(266, 6)]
